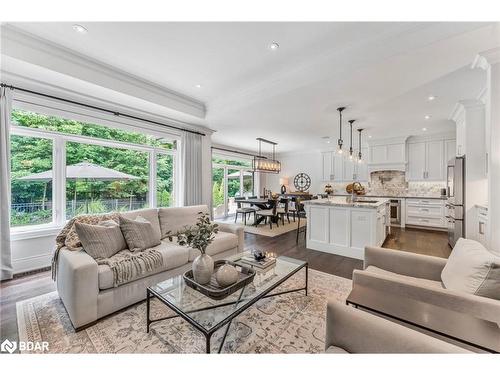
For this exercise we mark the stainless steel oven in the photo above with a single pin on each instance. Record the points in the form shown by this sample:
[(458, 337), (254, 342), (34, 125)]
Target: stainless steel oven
[(395, 211)]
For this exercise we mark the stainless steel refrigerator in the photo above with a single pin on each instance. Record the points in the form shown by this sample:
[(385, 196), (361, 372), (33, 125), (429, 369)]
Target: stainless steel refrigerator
[(455, 191)]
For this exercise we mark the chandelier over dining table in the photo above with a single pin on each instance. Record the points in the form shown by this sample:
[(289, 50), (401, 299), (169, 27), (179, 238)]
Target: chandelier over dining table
[(261, 163)]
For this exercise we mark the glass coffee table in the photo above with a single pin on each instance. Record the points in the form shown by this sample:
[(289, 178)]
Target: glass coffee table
[(208, 315)]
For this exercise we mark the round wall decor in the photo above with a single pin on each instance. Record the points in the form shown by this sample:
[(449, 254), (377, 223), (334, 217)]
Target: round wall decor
[(302, 182)]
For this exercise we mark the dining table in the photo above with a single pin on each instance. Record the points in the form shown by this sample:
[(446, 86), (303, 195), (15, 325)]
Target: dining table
[(261, 203)]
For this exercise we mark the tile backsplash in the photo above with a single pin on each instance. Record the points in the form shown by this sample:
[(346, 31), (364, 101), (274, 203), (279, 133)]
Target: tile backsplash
[(394, 183)]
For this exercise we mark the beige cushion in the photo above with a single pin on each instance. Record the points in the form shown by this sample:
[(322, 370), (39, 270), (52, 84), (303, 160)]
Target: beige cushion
[(426, 282), (173, 256), (102, 240), (150, 214), (471, 268), (139, 233), (223, 241), (175, 219)]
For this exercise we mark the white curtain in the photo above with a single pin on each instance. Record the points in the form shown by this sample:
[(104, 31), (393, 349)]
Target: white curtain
[(191, 167), (5, 111)]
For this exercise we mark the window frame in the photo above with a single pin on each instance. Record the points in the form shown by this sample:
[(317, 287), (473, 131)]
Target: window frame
[(59, 163)]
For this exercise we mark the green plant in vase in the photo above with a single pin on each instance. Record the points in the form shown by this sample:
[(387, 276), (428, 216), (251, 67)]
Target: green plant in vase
[(199, 236)]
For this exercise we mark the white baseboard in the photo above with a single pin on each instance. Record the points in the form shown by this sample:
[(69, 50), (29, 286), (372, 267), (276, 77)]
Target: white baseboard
[(31, 263)]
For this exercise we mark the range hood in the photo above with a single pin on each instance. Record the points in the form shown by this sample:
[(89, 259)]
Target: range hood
[(382, 167), (387, 154)]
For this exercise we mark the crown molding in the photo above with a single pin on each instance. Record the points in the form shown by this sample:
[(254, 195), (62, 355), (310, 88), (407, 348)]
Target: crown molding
[(57, 91), (485, 59), (40, 52)]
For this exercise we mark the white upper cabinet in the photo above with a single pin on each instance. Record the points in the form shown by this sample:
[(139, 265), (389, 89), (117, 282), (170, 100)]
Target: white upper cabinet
[(416, 161), (435, 161), (449, 150), (332, 166), (388, 153), (327, 166), (337, 168), (427, 159)]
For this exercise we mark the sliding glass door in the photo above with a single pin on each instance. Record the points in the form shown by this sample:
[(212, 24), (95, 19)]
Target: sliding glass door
[(218, 192), (228, 183)]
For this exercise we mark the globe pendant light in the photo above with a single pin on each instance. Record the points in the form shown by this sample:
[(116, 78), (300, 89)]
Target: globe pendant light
[(351, 157), (359, 153), (340, 142)]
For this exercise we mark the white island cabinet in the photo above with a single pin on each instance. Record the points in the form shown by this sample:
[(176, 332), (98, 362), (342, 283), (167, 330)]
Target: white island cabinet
[(337, 225)]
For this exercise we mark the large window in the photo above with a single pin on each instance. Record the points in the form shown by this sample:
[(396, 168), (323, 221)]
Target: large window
[(105, 168), (31, 198)]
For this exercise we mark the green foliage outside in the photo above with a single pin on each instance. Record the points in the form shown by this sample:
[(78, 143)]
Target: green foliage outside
[(31, 155)]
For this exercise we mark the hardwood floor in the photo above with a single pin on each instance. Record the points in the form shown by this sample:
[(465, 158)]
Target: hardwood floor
[(413, 240)]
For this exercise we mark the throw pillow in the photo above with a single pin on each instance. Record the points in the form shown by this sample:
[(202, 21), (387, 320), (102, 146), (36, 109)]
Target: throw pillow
[(471, 268), (68, 236), (102, 240), (139, 233)]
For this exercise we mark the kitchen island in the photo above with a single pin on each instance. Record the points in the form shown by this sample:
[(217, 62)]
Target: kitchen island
[(344, 226)]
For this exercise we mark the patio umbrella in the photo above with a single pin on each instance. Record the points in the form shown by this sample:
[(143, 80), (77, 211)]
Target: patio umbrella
[(83, 171)]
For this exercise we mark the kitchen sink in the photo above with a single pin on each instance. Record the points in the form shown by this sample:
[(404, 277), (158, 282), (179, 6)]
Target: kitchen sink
[(365, 201)]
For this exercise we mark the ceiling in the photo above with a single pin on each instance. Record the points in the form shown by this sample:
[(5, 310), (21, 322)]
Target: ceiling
[(383, 72)]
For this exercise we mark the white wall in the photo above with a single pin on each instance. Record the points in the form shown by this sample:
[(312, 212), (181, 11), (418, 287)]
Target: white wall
[(292, 164), (32, 253)]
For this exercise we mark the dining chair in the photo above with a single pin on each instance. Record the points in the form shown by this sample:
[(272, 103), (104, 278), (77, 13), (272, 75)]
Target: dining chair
[(244, 211), (283, 210), (270, 213), (301, 213)]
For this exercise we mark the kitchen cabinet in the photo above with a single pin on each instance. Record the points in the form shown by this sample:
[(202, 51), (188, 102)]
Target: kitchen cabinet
[(426, 212), (416, 161), (344, 228), (332, 166), (338, 168), (434, 158), (427, 160), (449, 151), (481, 224)]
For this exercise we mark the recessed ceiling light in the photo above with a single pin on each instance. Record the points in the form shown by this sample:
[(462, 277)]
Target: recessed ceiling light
[(80, 29), (198, 86), (431, 98), (427, 117), (424, 129), (274, 46), (369, 136)]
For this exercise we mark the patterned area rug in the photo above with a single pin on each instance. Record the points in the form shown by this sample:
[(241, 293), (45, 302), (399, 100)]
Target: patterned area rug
[(264, 230), (290, 323)]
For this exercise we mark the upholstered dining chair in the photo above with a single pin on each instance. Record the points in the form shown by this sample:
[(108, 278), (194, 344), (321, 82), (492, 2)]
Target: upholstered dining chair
[(244, 211), (283, 210), (270, 213)]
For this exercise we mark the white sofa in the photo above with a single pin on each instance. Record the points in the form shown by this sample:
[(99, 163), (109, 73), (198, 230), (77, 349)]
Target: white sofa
[(86, 288)]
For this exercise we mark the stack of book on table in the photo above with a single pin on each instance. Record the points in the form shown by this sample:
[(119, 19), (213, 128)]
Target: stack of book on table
[(258, 264)]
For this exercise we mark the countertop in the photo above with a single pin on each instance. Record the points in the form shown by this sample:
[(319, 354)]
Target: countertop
[(346, 202), (397, 196)]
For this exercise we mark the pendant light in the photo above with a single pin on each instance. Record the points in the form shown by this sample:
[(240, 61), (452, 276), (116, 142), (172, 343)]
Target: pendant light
[(359, 153), (340, 142), (350, 148), (262, 163)]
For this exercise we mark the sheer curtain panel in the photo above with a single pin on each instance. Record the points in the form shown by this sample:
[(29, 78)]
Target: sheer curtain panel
[(5, 251), (191, 168)]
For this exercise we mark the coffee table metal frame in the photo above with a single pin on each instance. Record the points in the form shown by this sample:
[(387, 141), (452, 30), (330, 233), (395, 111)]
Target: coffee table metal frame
[(227, 320)]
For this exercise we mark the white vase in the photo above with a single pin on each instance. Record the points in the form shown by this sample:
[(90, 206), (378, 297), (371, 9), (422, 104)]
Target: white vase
[(203, 267)]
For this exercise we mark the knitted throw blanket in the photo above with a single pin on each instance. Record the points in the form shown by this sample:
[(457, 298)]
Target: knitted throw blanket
[(126, 265)]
